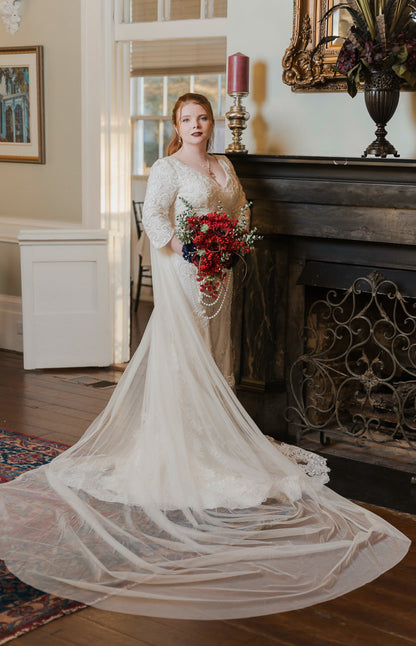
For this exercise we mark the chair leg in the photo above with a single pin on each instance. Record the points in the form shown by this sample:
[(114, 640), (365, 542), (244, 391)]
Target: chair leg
[(131, 311), (139, 284)]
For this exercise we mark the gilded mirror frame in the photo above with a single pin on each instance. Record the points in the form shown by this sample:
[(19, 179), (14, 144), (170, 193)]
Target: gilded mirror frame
[(303, 71)]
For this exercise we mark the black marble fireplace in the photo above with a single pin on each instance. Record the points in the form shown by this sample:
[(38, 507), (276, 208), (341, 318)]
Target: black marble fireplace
[(343, 218)]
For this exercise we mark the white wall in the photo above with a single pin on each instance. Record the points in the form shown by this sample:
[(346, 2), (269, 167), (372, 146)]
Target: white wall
[(288, 123), (48, 192)]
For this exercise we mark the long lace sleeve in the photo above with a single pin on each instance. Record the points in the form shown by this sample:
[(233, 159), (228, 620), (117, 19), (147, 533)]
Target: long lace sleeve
[(160, 196)]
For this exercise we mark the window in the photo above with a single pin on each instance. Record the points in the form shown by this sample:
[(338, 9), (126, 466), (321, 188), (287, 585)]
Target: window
[(152, 100), (150, 10)]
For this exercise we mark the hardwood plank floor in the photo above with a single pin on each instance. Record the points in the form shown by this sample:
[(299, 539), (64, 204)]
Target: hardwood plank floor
[(54, 405)]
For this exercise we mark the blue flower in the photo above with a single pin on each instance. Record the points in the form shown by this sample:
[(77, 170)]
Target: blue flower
[(189, 251)]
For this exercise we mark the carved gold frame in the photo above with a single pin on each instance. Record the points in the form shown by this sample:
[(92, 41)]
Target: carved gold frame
[(302, 70)]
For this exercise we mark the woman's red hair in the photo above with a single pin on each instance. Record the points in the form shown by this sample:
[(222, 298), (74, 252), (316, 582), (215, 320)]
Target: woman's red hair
[(190, 97)]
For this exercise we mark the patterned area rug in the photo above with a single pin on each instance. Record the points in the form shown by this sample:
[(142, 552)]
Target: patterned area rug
[(23, 608)]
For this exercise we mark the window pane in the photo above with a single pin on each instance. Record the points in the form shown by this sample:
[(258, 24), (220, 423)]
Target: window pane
[(153, 95), (150, 144), (143, 10), (177, 85), (220, 8), (222, 109), (146, 10), (183, 9), (136, 107), (207, 84), (137, 161), (167, 134), (219, 137)]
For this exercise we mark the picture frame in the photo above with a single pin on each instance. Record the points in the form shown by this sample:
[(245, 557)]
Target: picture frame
[(303, 69), (22, 116)]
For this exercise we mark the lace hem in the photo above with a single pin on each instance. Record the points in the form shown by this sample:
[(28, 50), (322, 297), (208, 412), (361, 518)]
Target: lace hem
[(313, 465)]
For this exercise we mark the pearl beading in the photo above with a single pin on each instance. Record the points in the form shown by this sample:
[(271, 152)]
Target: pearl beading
[(222, 294)]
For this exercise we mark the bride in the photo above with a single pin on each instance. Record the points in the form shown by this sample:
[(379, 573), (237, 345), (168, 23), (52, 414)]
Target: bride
[(173, 503)]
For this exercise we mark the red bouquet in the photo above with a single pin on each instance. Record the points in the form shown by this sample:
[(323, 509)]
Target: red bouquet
[(214, 242)]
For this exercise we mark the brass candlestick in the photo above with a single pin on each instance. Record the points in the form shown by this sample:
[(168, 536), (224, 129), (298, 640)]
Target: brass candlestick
[(237, 117)]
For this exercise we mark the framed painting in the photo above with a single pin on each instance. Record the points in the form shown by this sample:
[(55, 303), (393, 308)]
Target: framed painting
[(22, 119)]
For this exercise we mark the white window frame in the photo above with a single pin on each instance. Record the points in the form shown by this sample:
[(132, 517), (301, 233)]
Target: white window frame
[(205, 27)]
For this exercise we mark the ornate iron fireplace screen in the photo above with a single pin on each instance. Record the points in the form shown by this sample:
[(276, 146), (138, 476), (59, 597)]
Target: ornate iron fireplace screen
[(357, 377)]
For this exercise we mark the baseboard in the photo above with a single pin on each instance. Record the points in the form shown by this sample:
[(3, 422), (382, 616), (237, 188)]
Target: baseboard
[(11, 323)]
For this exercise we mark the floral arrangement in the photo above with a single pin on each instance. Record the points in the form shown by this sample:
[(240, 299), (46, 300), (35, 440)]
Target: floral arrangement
[(213, 243), (382, 37)]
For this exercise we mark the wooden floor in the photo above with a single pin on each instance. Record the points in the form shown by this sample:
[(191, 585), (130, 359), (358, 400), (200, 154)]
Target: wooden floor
[(56, 404)]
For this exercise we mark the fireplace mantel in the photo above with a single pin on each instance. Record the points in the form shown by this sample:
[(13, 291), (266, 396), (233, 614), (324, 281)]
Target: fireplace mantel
[(355, 212), (332, 198)]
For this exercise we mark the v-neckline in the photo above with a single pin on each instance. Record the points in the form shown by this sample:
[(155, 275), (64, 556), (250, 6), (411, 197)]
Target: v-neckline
[(211, 179)]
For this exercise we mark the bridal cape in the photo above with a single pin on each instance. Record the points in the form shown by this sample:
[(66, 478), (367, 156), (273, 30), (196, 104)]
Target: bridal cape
[(173, 503)]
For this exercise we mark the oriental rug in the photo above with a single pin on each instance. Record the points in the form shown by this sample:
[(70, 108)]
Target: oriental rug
[(23, 608)]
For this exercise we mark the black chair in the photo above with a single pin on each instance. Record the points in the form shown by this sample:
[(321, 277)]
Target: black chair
[(145, 272)]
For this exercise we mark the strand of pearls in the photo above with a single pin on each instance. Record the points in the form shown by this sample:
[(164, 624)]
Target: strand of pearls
[(222, 294)]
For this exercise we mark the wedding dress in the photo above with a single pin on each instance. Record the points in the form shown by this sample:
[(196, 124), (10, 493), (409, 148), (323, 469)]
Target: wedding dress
[(173, 503)]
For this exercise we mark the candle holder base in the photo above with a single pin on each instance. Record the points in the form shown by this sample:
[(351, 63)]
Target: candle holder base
[(237, 117)]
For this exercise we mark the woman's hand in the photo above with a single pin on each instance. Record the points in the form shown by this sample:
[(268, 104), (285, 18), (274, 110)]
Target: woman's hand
[(175, 244)]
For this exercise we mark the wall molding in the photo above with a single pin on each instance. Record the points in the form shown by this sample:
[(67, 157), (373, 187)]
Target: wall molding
[(171, 29), (11, 323), (106, 151), (10, 227), (63, 236)]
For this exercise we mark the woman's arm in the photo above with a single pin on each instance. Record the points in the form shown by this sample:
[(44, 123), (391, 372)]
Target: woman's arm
[(162, 189)]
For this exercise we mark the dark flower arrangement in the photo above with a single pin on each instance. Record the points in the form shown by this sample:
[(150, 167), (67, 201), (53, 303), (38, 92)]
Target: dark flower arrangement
[(213, 243), (382, 37)]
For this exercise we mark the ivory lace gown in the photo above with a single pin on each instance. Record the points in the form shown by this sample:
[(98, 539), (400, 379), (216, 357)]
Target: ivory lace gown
[(170, 181), (173, 503)]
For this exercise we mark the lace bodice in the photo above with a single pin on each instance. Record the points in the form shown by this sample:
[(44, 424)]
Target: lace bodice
[(171, 179)]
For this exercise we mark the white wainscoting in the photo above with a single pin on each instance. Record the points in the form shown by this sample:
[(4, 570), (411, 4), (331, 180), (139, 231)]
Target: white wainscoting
[(11, 326), (10, 227), (65, 298)]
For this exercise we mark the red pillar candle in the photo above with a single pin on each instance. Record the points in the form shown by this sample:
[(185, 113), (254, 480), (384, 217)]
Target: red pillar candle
[(238, 73)]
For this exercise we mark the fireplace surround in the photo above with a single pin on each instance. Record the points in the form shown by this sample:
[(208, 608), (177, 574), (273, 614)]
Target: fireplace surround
[(350, 216), (356, 379)]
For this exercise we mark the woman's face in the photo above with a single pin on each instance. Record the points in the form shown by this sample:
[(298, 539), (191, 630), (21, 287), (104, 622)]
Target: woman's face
[(194, 125)]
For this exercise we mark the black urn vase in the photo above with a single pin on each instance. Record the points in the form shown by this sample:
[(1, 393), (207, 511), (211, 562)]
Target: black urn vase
[(381, 93)]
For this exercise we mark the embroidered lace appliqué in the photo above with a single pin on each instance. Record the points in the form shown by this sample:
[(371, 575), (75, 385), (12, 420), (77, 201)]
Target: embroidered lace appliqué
[(314, 465)]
